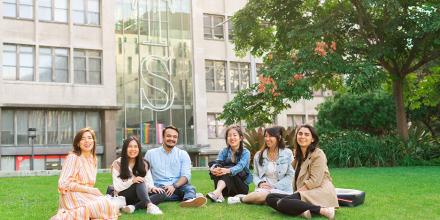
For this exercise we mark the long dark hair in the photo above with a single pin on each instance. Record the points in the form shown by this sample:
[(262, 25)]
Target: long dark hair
[(310, 148), (139, 165), (77, 139), (237, 128), (277, 132)]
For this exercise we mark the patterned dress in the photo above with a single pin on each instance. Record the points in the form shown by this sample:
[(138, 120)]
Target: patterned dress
[(76, 181)]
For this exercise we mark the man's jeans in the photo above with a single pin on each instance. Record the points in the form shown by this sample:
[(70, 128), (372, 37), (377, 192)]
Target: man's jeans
[(184, 192)]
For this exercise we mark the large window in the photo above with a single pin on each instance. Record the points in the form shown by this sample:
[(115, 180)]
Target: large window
[(87, 66), (215, 127), (53, 10), (299, 119), (54, 64), (18, 62), (215, 75), (213, 26), (53, 127), (239, 76), (86, 12), (18, 9)]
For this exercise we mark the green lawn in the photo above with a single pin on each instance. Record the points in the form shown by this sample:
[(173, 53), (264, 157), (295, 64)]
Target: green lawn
[(391, 193)]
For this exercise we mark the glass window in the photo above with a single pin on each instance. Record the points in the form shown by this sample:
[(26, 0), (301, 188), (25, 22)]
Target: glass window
[(79, 121), (213, 26), (10, 8), (230, 29), (8, 163), (215, 127), (45, 10), (60, 10), (22, 127), (215, 75), (26, 59), (87, 66), (50, 72), (37, 121), (26, 9), (86, 12), (295, 119), (66, 127), (52, 127), (94, 121), (7, 127), (9, 62), (239, 76)]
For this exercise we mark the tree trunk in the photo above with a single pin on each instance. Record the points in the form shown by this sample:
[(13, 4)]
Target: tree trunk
[(402, 123)]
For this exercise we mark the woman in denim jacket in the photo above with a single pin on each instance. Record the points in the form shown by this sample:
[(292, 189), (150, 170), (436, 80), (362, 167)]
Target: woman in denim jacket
[(231, 172), (273, 172)]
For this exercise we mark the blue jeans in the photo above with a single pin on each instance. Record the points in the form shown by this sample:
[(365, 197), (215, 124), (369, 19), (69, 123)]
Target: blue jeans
[(182, 193)]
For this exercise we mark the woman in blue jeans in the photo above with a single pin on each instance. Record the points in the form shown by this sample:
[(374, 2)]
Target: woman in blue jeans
[(231, 173)]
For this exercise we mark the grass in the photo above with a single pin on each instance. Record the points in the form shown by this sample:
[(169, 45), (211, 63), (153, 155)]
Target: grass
[(391, 193)]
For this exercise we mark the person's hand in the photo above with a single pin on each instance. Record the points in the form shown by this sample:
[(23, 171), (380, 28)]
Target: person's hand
[(95, 191), (216, 171), (169, 190), (224, 171), (157, 190), (138, 179), (265, 185), (303, 188)]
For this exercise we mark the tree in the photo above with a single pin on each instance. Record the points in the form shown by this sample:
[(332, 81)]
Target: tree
[(308, 44)]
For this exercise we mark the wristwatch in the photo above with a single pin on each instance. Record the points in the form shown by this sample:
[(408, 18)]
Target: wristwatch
[(175, 186)]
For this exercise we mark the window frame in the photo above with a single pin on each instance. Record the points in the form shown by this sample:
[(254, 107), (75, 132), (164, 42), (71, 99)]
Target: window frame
[(86, 13), (54, 56), (212, 27), (219, 134), (87, 58), (18, 5), (18, 65), (53, 9), (240, 70), (215, 75)]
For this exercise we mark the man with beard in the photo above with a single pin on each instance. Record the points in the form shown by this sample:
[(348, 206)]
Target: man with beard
[(171, 170)]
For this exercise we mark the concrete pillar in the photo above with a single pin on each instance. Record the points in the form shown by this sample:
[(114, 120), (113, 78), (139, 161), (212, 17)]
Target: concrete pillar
[(109, 131)]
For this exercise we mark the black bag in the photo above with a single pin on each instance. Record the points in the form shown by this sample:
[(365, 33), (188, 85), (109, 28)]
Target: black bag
[(350, 197), (110, 190)]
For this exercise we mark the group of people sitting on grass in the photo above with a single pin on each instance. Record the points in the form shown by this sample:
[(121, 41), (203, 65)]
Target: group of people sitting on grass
[(294, 184)]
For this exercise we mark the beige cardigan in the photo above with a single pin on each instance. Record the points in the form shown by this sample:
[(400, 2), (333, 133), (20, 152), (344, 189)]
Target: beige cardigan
[(314, 174)]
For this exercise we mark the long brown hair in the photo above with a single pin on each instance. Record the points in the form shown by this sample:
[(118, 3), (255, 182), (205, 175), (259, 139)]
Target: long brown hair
[(276, 132), (237, 128), (310, 148), (77, 139)]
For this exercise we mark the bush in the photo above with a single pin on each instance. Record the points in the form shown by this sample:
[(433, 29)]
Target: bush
[(373, 113), (357, 149)]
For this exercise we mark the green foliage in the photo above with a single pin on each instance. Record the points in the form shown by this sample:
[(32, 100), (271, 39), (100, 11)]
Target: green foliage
[(329, 41), (254, 139), (368, 112), (357, 149)]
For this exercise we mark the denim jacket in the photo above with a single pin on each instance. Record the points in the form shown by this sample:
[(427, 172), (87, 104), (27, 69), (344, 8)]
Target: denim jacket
[(285, 170), (241, 164)]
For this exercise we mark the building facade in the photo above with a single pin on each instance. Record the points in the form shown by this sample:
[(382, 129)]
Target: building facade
[(124, 68)]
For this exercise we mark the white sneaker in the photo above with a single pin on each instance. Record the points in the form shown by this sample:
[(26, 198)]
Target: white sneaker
[(234, 200), (153, 209), (196, 202), (128, 209)]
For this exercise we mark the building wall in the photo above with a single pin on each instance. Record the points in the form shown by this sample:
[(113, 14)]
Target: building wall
[(34, 95)]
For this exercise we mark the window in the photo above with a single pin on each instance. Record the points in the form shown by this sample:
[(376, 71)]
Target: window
[(86, 12), (18, 9), (53, 127), (230, 29), (87, 66), (215, 127), (53, 10), (153, 22), (215, 75), (7, 127), (294, 120), (54, 64), (18, 62), (213, 26), (239, 76)]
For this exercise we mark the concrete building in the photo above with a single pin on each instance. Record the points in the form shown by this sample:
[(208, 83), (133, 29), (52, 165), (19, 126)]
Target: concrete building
[(123, 67)]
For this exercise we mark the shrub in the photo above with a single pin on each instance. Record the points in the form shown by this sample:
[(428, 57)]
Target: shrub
[(373, 113), (357, 149)]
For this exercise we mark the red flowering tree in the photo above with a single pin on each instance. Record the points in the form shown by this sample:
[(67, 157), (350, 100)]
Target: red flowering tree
[(309, 44)]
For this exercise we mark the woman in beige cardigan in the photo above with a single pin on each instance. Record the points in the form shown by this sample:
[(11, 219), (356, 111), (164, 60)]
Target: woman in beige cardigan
[(314, 191)]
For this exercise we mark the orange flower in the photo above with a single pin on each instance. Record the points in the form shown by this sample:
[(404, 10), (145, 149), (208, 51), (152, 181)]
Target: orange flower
[(298, 76), (320, 48), (333, 46)]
